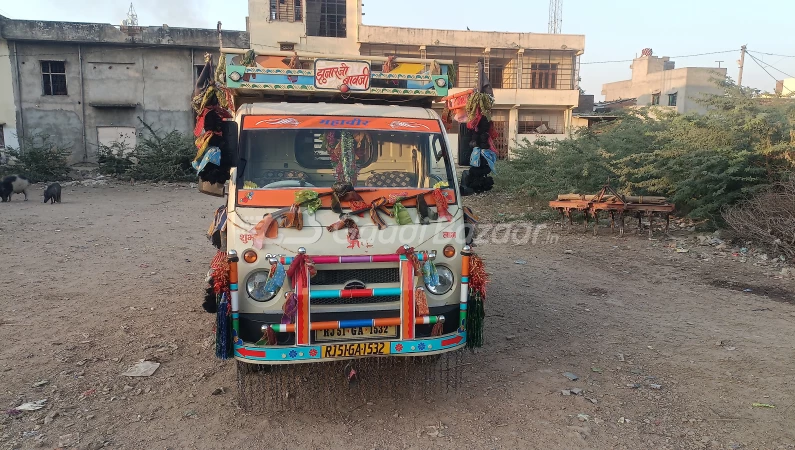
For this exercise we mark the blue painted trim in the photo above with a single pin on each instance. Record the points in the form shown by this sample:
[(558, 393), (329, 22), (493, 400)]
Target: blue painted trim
[(356, 323), (465, 279), (235, 315), (233, 287), (463, 306), (293, 353)]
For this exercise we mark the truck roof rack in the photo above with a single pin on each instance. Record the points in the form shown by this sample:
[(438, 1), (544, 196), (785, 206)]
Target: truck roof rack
[(255, 76)]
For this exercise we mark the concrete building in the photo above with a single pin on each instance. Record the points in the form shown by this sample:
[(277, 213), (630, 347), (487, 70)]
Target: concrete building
[(785, 87), (8, 119), (87, 84), (535, 76), (656, 82)]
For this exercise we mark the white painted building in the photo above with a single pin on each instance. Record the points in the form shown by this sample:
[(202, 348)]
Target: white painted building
[(657, 82), (534, 75), (8, 112)]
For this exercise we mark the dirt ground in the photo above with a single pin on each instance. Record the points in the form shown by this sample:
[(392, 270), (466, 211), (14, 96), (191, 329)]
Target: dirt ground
[(672, 349)]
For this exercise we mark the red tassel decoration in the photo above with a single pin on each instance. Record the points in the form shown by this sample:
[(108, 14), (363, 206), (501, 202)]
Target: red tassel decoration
[(441, 204), (421, 302), (437, 329)]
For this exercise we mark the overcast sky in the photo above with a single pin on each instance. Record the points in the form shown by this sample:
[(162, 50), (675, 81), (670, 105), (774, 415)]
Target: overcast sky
[(613, 29)]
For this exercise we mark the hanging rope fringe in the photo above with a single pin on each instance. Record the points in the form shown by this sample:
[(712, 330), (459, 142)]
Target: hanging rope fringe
[(437, 329), (223, 329), (411, 256), (476, 311), (441, 205)]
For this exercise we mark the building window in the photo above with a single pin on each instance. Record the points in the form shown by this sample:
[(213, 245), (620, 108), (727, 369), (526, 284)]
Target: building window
[(655, 99), (541, 122), (672, 99), (2, 137), (286, 10), (198, 68), (543, 76), (53, 77), (287, 47), (495, 77), (326, 18)]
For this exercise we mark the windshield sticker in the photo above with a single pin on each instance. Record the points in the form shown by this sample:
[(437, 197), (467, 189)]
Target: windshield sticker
[(341, 122)]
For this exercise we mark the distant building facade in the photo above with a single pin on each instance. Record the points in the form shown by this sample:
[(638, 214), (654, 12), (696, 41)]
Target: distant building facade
[(535, 76), (785, 87), (657, 82), (87, 84)]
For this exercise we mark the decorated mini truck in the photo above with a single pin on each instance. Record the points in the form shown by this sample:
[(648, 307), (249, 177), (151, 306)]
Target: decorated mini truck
[(343, 234)]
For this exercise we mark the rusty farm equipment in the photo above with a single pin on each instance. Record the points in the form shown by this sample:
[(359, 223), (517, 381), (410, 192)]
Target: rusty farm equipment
[(617, 207)]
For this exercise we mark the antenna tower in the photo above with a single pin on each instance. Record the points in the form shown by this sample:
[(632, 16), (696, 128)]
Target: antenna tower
[(132, 17), (555, 16)]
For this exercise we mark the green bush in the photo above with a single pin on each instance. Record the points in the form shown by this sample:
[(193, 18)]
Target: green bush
[(39, 158), (115, 159), (700, 162), (164, 158), (157, 157)]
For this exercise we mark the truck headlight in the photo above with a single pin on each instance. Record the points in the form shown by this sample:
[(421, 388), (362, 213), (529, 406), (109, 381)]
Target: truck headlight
[(255, 286), (445, 281)]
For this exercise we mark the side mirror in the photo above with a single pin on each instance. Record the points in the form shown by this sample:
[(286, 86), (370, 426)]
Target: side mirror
[(229, 148), (464, 150)]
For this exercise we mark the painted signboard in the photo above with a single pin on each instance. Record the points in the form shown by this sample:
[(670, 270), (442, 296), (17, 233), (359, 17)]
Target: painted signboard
[(334, 74)]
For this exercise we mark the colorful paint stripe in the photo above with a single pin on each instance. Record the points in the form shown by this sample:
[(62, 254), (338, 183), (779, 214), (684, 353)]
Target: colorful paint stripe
[(302, 317), (339, 324), (358, 259), (407, 300), (465, 255), (233, 259), (353, 293)]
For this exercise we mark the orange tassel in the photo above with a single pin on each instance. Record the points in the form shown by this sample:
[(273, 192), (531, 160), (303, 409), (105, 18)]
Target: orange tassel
[(437, 329), (441, 204)]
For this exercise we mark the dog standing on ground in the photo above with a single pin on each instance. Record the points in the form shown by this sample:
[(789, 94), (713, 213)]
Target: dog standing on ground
[(13, 184), (53, 193)]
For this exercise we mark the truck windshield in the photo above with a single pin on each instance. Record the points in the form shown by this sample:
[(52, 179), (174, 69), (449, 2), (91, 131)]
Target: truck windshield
[(284, 158)]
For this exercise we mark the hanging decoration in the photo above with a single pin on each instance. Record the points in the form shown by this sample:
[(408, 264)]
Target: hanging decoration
[(275, 277), (401, 214), (223, 329), (481, 134), (292, 218), (290, 308), (429, 274), (475, 307), (421, 303), (411, 256), (342, 153), (212, 103), (441, 205), (268, 227), (350, 225), (298, 270), (308, 198), (216, 234)]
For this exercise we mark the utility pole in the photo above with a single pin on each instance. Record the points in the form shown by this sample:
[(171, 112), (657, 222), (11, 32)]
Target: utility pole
[(742, 63)]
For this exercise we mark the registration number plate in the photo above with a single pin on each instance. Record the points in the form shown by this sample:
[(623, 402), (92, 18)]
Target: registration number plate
[(363, 349), (354, 333)]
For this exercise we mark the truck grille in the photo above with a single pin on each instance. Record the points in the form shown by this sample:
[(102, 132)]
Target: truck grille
[(366, 276), (355, 301), (369, 277)]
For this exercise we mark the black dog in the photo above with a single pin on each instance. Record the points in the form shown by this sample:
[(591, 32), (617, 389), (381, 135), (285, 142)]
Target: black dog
[(53, 193), (13, 184)]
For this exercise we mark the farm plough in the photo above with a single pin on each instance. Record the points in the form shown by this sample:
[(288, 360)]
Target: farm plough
[(616, 206)]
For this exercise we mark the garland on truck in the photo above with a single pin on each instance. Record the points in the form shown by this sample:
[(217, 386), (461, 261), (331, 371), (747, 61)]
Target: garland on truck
[(212, 102)]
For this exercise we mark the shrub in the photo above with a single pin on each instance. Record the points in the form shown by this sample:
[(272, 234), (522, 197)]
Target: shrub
[(115, 159), (39, 158), (767, 217), (164, 158)]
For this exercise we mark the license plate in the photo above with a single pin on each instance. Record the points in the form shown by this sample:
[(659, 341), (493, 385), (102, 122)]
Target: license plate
[(355, 333), (363, 349)]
